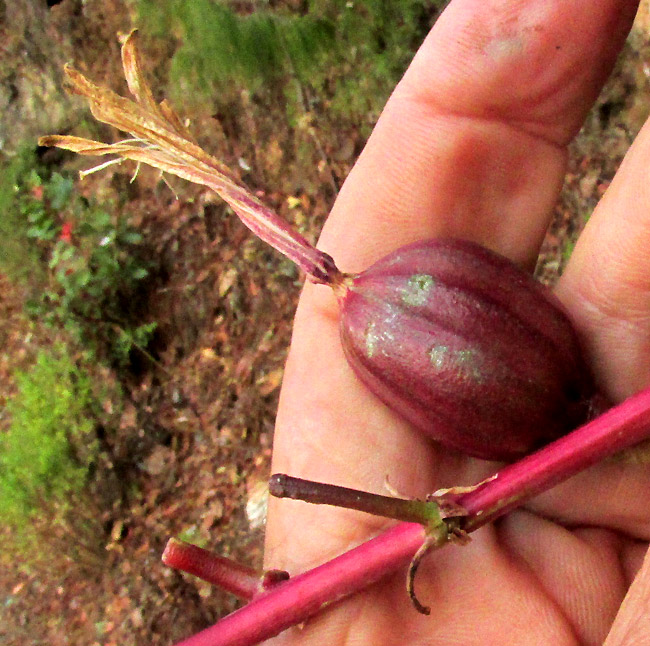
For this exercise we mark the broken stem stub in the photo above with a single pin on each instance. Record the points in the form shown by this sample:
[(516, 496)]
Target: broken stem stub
[(425, 512), (234, 577)]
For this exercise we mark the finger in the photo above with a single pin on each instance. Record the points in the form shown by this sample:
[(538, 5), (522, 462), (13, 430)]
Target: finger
[(606, 285), (632, 624), (470, 605), (581, 571), (612, 495), (606, 289), (472, 142)]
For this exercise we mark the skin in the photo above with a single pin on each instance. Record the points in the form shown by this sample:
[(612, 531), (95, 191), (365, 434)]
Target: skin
[(473, 144)]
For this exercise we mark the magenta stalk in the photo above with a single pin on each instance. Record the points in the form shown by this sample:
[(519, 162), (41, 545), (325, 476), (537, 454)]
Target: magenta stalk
[(618, 428), (301, 597)]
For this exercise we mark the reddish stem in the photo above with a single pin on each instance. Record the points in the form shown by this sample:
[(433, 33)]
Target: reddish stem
[(234, 577), (298, 599), (616, 429), (303, 596)]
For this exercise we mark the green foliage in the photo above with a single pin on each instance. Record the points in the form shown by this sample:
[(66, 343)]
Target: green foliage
[(83, 266), (95, 277), (130, 338), (20, 215), (354, 52), (46, 454)]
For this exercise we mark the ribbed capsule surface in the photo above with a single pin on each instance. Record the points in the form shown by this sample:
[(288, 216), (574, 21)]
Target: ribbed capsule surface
[(466, 346)]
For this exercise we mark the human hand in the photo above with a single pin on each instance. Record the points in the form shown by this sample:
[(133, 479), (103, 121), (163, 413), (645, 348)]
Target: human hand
[(473, 144)]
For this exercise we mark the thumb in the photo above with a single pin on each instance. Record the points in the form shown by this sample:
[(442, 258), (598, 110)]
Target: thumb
[(606, 285)]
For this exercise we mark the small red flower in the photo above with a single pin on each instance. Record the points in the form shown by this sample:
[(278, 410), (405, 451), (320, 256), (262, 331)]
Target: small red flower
[(66, 232), (37, 192)]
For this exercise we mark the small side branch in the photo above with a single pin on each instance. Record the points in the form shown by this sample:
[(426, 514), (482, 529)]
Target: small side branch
[(225, 573)]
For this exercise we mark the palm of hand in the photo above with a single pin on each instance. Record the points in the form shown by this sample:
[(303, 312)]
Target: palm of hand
[(472, 144)]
